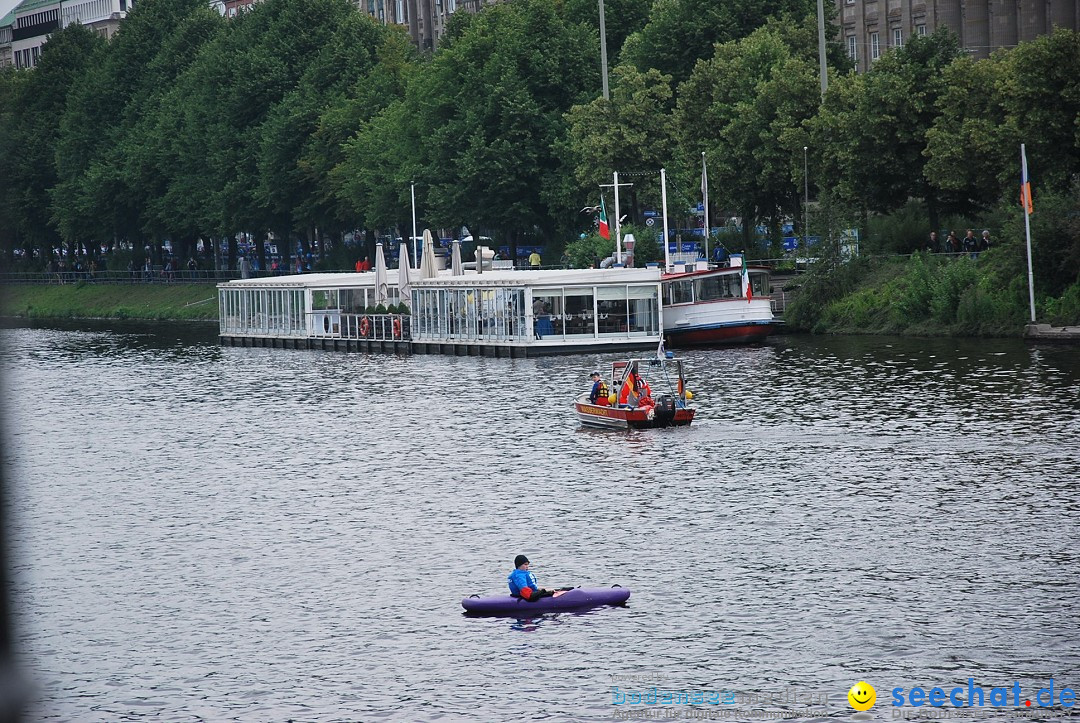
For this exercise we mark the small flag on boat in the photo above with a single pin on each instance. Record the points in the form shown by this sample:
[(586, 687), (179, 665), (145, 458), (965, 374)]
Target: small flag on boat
[(1025, 184), (746, 281), (605, 232)]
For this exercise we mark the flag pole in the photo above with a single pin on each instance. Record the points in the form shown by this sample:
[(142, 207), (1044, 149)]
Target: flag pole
[(1026, 190), (663, 201), (705, 202), (618, 229), (415, 251)]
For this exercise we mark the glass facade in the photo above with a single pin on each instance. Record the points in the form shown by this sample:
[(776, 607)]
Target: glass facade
[(467, 313), (272, 312), (564, 313)]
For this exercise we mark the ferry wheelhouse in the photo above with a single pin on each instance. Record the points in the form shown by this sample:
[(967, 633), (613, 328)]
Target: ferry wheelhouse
[(710, 306)]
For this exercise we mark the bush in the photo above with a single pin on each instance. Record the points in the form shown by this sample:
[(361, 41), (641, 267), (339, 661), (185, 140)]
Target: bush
[(1064, 311), (913, 292), (948, 286)]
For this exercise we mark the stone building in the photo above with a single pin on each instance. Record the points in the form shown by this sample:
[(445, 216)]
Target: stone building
[(870, 27)]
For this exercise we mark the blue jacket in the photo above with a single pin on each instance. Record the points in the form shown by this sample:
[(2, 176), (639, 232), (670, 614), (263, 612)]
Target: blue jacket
[(519, 579)]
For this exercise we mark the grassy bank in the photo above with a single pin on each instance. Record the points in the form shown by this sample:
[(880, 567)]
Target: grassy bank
[(172, 302), (924, 295)]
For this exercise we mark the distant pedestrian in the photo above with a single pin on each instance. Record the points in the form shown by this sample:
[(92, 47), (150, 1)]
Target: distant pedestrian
[(953, 243), (984, 242), (534, 260), (245, 268), (932, 244)]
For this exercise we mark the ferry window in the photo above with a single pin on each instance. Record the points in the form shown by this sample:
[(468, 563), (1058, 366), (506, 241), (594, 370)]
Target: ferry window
[(710, 288), (353, 301), (682, 292), (760, 284), (547, 311), (644, 315), (324, 299), (579, 311)]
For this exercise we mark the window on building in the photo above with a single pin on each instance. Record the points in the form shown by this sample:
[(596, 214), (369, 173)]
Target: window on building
[(852, 48), (920, 30), (875, 46), (897, 38)]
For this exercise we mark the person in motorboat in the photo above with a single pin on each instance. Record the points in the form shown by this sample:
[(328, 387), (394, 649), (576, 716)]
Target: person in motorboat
[(599, 393), (634, 391), (523, 583)]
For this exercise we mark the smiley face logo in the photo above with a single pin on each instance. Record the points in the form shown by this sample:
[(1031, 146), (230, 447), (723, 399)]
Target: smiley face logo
[(862, 696)]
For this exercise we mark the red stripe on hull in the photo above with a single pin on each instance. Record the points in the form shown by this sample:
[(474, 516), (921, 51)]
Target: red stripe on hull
[(721, 335), (615, 417)]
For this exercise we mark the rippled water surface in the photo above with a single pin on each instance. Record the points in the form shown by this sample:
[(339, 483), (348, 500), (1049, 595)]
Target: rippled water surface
[(206, 533)]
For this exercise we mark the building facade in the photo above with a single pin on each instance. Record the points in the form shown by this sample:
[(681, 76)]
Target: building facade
[(5, 39), (870, 27), (27, 28), (425, 19)]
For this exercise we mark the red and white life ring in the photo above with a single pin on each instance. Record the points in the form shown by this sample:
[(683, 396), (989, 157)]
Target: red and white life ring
[(397, 327), (365, 327)]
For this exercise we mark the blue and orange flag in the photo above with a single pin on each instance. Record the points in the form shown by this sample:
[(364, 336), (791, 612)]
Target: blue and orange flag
[(1025, 183)]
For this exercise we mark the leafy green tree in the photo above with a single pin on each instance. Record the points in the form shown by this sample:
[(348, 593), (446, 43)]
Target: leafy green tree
[(289, 185), (490, 108), (870, 137), (746, 107), (1031, 95), (326, 161), (631, 132), (95, 197), (679, 33), (621, 19), (34, 136)]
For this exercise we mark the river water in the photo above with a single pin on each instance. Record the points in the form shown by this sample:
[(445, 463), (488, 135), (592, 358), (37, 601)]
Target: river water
[(207, 533)]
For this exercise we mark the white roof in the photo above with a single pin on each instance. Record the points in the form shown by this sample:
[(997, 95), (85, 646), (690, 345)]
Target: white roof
[(557, 277), (497, 277)]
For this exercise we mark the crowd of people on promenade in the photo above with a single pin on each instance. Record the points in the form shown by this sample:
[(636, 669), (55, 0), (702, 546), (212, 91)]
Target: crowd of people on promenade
[(952, 244)]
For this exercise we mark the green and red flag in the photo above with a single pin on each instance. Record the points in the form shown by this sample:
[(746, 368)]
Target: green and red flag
[(746, 282), (605, 232)]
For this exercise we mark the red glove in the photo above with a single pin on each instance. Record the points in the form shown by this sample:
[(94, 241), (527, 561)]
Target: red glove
[(526, 592)]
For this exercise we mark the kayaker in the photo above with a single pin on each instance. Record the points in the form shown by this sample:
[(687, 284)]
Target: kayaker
[(523, 583), (599, 393)]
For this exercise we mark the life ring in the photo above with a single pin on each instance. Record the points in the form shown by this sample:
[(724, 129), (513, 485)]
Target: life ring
[(397, 327), (365, 327)]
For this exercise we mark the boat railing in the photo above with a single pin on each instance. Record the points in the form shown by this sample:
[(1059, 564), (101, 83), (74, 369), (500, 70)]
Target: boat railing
[(377, 327)]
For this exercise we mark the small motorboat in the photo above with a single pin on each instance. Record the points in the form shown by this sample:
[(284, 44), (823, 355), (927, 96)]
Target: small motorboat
[(643, 394), (576, 599)]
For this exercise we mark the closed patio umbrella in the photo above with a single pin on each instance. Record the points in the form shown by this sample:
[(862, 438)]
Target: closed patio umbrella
[(427, 263), (403, 284), (381, 278), (455, 260)]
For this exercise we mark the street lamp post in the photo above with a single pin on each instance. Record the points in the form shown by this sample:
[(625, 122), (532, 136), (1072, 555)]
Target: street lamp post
[(805, 211), (603, 51)]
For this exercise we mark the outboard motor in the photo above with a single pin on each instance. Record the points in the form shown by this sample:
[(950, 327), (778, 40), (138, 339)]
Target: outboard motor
[(664, 412)]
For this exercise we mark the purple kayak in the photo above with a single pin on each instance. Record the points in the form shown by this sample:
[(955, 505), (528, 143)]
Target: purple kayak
[(579, 597)]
